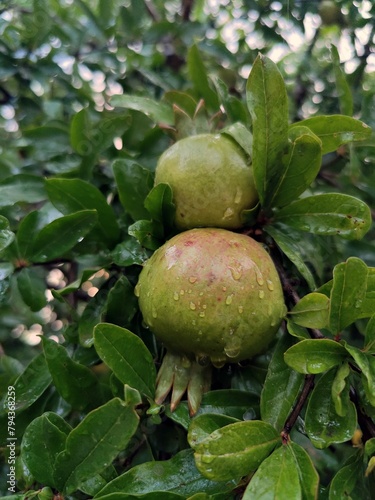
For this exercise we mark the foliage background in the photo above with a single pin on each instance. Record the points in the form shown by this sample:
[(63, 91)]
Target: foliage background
[(62, 66)]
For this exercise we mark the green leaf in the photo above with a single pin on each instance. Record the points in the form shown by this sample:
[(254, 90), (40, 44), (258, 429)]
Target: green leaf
[(133, 184), (315, 356), (31, 384), (80, 128), (308, 476), (74, 382), (32, 288), (94, 443), (292, 250), (152, 495), (323, 425), (235, 450), (299, 167), (347, 294), (328, 214), (127, 356), (22, 188), (281, 387), (268, 105), (198, 76), (370, 336), (344, 91), (6, 235), (148, 233), (128, 253), (42, 441), (336, 130), (157, 111), (340, 389), (345, 480), (277, 477), (72, 195), (93, 314), (312, 311), (159, 204), (179, 475), (366, 363), (122, 304), (61, 235), (203, 425)]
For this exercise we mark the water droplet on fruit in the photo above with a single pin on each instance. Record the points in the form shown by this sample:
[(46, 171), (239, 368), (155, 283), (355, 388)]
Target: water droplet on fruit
[(224, 288), (192, 306), (238, 196), (233, 348), (204, 306), (182, 292), (200, 293), (218, 362), (176, 295), (260, 280), (229, 299), (270, 285), (228, 214), (137, 289), (240, 309), (154, 312), (236, 273), (202, 314), (261, 294), (193, 279), (207, 459)]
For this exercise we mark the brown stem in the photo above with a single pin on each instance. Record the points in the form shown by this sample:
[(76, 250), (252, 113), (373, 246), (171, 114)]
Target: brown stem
[(291, 420), (186, 8)]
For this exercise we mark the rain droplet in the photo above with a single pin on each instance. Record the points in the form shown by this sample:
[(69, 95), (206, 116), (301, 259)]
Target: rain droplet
[(176, 296), (261, 294), (270, 285), (193, 279), (182, 292), (240, 309), (224, 288), (204, 306), (200, 293), (233, 349), (238, 196), (236, 273), (207, 459), (154, 312), (137, 289), (358, 303), (202, 314), (218, 362), (228, 214), (229, 299), (192, 306)]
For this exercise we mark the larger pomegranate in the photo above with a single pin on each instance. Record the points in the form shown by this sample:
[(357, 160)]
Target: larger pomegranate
[(211, 179), (212, 295)]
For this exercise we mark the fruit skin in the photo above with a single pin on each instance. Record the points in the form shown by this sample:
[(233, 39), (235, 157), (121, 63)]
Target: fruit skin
[(212, 294), (211, 180)]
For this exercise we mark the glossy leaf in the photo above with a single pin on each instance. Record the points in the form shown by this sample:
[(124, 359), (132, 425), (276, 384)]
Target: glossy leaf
[(61, 235), (127, 356), (312, 311), (148, 233), (22, 188), (51, 431), (30, 384), (158, 112), (277, 477), (122, 304), (177, 475), (94, 443), (344, 482), (328, 214), (268, 106), (6, 235), (344, 91), (335, 130), (159, 203), (32, 288), (308, 476), (133, 184), (370, 336), (323, 425), (74, 382), (152, 495), (281, 387), (235, 450), (315, 356), (128, 253), (347, 293), (366, 363), (299, 166), (340, 389), (292, 250), (242, 135), (93, 314), (203, 425), (198, 76), (73, 195)]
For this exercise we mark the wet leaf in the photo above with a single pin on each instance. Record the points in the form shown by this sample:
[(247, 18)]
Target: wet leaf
[(32, 288), (122, 304), (370, 336), (340, 389), (313, 356), (159, 203), (198, 76), (22, 188), (323, 425), (235, 450), (312, 311), (344, 482), (158, 112), (128, 253), (366, 363), (203, 425)]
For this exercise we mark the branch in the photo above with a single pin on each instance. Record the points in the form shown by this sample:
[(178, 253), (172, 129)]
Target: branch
[(186, 8)]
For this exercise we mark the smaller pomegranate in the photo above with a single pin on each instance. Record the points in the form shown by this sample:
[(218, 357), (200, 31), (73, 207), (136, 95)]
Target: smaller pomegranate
[(211, 296), (211, 179)]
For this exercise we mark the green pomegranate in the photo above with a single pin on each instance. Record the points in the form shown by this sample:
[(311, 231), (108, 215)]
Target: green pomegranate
[(211, 179), (210, 295)]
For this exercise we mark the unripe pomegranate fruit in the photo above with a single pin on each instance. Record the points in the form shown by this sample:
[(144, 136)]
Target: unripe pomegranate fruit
[(211, 179), (211, 295)]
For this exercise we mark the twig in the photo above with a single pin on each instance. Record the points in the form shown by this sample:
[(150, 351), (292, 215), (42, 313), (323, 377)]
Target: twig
[(186, 8)]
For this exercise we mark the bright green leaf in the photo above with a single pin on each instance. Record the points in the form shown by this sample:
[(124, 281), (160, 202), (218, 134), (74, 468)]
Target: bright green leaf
[(328, 214), (344, 482), (203, 425), (235, 450), (312, 311), (6, 235), (268, 105), (127, 356), (32, 288), (128, 253), (315, 355), (366, 363), (370, 336), (148, 233), (122, 304), (159, 203), (198, 76), (158, 112), (344, 91), (340, 389), (335, 130), (308, 476)]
